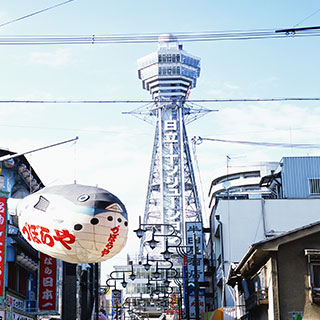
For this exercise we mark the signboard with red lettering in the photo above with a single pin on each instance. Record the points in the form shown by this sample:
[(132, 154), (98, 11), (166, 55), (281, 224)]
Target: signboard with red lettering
[(3, 219), (47, 282), (15, 302)]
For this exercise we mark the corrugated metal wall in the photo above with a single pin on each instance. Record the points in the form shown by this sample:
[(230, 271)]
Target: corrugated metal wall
[(296, 172)]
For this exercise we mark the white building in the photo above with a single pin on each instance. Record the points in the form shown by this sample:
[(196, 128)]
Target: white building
[(293, 201)]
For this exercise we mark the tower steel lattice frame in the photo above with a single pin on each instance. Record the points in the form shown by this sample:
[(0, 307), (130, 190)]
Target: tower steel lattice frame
[(172, 197)]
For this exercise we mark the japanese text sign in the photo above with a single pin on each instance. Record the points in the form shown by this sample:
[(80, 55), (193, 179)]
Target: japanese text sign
[(3, 220), (47, 282)]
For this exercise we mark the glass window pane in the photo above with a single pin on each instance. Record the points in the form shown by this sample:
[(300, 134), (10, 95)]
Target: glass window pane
[(316, 275)]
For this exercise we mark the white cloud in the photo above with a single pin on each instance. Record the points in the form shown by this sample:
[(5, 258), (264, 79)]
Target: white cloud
[(57, 58)]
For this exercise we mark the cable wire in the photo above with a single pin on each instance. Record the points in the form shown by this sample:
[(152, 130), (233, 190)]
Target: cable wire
[(154, 37), (151, 101), (34, 13), (266, 144), (312, 14)]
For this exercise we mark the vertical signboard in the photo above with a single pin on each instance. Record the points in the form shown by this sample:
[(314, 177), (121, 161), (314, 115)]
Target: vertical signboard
[(195, 228), (47, 282), (116, 304), (185, 286), (2, 315), (3, 221), (192, 302), (171, 161)]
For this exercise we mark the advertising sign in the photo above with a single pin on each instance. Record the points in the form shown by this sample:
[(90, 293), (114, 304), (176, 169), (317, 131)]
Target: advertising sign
[(195, 229), (116, 304), (2, 315), (18, 316), (60, 226), (14, 302), (3, 220), (192, 302), (47, 282)]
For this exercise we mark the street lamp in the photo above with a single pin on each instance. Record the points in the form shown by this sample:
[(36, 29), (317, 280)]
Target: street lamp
[(124, 283), (166, 282), (140, 232), (147, 265), (153, 242), (188, 252), (156, 274), (149, 283), (132, 275), (166, 253)]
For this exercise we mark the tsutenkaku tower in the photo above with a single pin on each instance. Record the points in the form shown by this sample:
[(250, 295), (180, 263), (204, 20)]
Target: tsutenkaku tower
[(169, 74)]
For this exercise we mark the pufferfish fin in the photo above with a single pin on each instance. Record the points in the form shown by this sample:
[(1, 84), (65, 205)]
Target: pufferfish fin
[(114, 207), (42, 204)]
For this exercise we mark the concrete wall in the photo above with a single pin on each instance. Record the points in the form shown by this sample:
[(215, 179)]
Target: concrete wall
[(293, 279)]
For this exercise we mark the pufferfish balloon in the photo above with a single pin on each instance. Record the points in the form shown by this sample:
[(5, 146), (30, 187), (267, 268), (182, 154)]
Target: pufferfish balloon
[(74, 223)]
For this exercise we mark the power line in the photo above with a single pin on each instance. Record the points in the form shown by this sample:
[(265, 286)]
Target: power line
[(198, 140), (12, 156), (34, 13), (154, 37), (151, 101), (312, 14)]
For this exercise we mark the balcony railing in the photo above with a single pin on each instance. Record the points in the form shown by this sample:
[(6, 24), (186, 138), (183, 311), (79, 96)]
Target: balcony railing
[(260, 297)]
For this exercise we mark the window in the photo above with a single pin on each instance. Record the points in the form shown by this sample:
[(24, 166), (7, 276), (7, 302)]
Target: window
[(17, 278), (314, 273), (23, 281), (314, 186)]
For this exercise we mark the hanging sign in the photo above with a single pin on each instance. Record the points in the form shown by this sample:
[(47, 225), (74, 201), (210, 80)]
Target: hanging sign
[(3, 221), (47, 282), (116, 304)]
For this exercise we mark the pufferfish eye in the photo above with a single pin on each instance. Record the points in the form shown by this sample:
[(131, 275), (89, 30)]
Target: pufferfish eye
[(83, 197), (77, 227), (94, 221)]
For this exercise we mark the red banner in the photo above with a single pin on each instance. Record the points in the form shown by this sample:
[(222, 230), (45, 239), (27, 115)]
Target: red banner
[(47, 282), (3, 205)]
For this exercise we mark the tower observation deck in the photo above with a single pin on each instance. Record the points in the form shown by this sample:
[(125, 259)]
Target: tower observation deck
[(172, 198)]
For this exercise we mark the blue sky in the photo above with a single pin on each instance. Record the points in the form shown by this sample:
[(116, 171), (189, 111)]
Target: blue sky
[(114, 150)]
